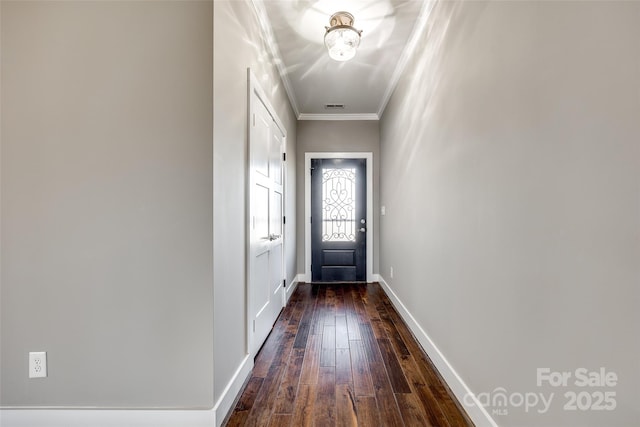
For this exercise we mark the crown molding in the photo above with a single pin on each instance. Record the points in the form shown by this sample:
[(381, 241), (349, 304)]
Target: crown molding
[(267, 33), (408, 52), (366, 116)]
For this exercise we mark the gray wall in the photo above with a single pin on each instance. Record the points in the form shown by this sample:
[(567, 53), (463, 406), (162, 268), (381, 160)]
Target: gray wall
[(235, 20), (106, 180), (338, 136), (511, 178)]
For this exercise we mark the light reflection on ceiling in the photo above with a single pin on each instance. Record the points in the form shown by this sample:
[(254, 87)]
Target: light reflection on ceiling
[(295, 29), (308, 19)]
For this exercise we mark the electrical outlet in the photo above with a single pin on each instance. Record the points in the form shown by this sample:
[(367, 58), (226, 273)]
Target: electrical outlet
[(37, 364), (391, 272)]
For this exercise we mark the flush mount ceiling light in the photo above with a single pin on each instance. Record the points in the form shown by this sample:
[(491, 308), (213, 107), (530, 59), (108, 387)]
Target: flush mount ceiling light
[(341, 38)]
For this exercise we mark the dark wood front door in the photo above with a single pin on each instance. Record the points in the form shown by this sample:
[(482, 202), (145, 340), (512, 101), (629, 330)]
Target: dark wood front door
[(338, 220)]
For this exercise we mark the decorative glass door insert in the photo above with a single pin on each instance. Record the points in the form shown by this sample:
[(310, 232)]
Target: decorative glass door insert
[(338, 205)]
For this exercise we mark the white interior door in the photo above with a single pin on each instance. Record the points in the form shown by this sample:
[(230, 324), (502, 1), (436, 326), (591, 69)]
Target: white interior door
[(266, 290)]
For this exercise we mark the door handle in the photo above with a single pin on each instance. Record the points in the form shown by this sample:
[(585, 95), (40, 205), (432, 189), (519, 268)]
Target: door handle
[(274, 237), (363, 230)]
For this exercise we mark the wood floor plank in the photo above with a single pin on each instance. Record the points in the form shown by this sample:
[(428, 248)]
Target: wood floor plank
[(439, 392), (358, 304), (298, 308), (302, 336), (304, 326), (342, 333), (370, 343), (411, 410), (325, 408), (346, 413), (340, 306), (430, 404), (245, 403), (304, 407), (378, 329), (263, 404), (343, 366), (280, 420), (329, 308), (394, 370), (340, 354), (288, 390), (284, 349), (387, 406), (392, 332), (370, 308), (265, 358), (311, 362), (367, 411), (353, 328), (362, 384), (317, 321), (328, 354)]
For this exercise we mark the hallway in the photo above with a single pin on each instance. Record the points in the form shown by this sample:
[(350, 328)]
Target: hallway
[(339, 354), (502, 218)]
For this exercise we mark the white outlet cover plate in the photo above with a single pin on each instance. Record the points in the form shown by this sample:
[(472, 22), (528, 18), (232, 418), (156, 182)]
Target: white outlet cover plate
[(37, 364)]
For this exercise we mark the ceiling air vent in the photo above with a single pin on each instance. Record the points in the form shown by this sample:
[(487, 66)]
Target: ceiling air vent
[(334, 106)]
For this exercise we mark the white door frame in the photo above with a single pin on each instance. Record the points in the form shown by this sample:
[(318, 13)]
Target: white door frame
[(255, 90), (368, 156)]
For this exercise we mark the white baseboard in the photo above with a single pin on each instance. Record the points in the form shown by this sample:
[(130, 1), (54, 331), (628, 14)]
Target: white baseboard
[(106, 418), (375, 277), (476, 412), (231, 391), (292, 287)]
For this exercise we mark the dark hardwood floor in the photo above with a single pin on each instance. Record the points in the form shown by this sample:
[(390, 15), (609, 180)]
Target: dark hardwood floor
[(340, 355)]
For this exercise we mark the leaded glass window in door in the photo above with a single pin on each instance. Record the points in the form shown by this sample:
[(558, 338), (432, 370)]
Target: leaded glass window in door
[(338, 205)]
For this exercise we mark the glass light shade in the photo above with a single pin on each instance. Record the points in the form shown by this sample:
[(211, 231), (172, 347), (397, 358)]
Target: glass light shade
[(341, 38), (342, 43)]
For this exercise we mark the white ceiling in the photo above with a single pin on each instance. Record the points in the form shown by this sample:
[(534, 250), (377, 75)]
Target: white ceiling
[(294, 29)]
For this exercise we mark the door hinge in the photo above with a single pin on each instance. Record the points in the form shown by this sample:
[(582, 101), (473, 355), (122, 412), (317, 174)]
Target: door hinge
[(284, 157), (284, 219), (311, 219), (284, 283)]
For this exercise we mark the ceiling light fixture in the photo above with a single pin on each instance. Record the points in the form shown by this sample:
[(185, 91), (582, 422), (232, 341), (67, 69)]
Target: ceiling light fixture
[(341, 38)]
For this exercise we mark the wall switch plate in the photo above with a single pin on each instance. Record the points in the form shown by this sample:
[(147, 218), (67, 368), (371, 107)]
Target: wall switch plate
[(37, 364), (391, 272), (383, 210)]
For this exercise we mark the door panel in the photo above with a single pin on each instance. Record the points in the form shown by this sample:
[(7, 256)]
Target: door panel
[(334, 273), (261, 212), (261, 296), (260, 155), (338, 228), (275, 280), (339, 257), (275, 155), (276, 214)]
